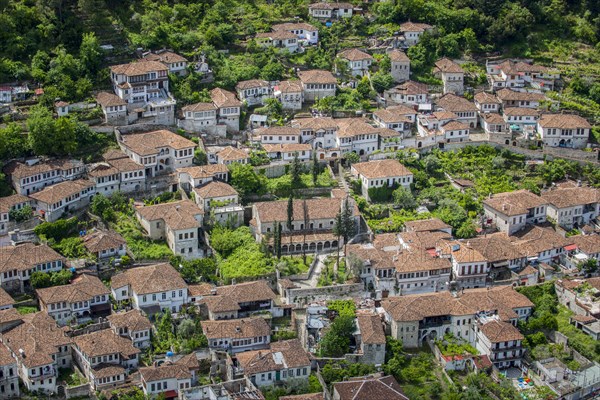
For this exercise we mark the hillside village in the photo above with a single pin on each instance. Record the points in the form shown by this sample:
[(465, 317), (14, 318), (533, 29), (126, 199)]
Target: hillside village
[(370, 227)]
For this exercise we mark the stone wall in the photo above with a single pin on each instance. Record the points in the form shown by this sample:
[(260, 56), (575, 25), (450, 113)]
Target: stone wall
[(305, 296), (78, 391)]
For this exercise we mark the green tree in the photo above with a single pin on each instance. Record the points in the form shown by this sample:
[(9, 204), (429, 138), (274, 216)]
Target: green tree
[(382, 81), (336, 342), (404, 198), (90, 54), (316, 168), (350, 158), (13, 142), (290, 213), (296, 171), (22, 214), (588, 266), (200, 157), (246, 180)]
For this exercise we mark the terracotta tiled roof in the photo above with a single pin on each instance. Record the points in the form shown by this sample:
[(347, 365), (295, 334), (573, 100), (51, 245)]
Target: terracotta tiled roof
[(281, 355), (486, 98), (292, 26), (444, 115), (515, 203), (133, 320), (9, 315), (308, 396), (535, 239), (378, 169), (155, 278), (426, 225), (204, 171), (520, 111), (316, 123), (271, 211), (330, 6), (398, 56), (8, 202), (83, 288), (105, 342), (454, 103), (371, 329), (411, 88), (230, 153), (105, 370), (506, 94), (26, 256), (5, 298), (385, 388), (414, 27), (317, 76), (177, 215), (354, 55), (53, 194), (106, 99), (5, 357), (220, 304), (18, 170), (445, 65), (571, 196), (141, 67), (125, 165), (236, 328), (493, 118), (102, 240), (102, 169), (199, 107), (277, 35), (223, 98), (564, 121), (498, 331), (165, 57), (279, 130), (496, 248), (165, 371), (151, 142), (286, 147), (214, 189), (589, 244), (395, 113), (454, 126), (289, 86), (253, 83), (349, 127), (39, 337)]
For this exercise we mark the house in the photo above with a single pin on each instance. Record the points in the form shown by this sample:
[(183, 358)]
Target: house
[(358, 61), (54, 201), (133, 325), (191, 177), (451, 74), (34, 175), (587, 247), (465, 111), (237, 335), (282, 39), (454, 131), (541, 244), (288, 152), (329, 11), (511, 211), (410, 93), (372, 388), (500, 341), (470, 269), (415, 319), (84, 298), (400, 118), (400, 65), (306, 33), (380, 173), (40, 348), (254, 92), (104, 357), (151, 289), (132, 174), (320, 131), (518, 74), (166, 379), (486, 103), (178, 222), (105, 178), (499, 252), (239, 301), (357, 135), (220, 202), (174, 62), (9, 204), (428, 225), (105, 244), (199, 117), (319, 230), (158, 151), (144, 85), (113, 107), (564, 130), (317, 84), (493, 124), (282, 362), (230, 155), (308, 396), (19, 261), (238, 389), (579, 295), (6, 302), (413, 31), (228, 109), (572, 206), (371, 338), (9, 378), (524, 119), (513, 98), (290, 94), (279, 135)]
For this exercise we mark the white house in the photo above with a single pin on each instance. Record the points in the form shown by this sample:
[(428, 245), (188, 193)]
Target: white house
[(400, 118), (487, 102), (176, 63), (290, 94), (113, 107), (317, 84), (282, 39), (133, 325), (511, 211), (165, 379), (34, 175), (54, 201), (220, 201), (493, 124), (454, 131), (413, 31), (7, 204), (500, 341), (572, 206), (230, 155), (239, 301), (105, 244), (380, 173), (564, 130), (132, 174), (279, 135), (306, 33), (329, 11), (400, 65), (541, 244), (356, 135), (254, 92), (21, 260), (152, 289), (288, 152), (409, 93), (514, 98), (237, 335), (523, 118), (358, 61), (451, 74), (320, 132), (9, 378), (465, 111), (228, 109), (470, 268), (199, 117)]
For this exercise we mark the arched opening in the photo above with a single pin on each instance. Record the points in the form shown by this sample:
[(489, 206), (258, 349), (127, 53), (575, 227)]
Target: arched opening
[(561, 143), (361, 152), (334, 243), (507, 142), (322, 156), (472, 125), (334, 155), (284, 248), (319, 246), (419, 145), (514, 142), (326, 245), (305, 246), (298, 247), (312, 247)]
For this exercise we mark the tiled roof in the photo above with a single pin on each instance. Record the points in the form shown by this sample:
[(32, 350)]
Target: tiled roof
[(214, 189), (317, 76), (25, 256), (454, 126), (271, 211), (535, 239), (105, 342), (236, 328), (286, 147), (398, 56), (520, 111), (39, 337), (308, 396), (177, 215), (125, 164), (199, 107), (83, 288), (155, 278), (276, 35), (426, 225), (485, 98), (165, 57), (105, 370), (223, 98), (5, 357), (330, 6), (18, 170), (279, 130), (355, 55), (281, 355), (589, 244), (449, 66), (8, 202), (106, 99), (371, 329), (289, 86), (349, 127), (294, 26), (395, 113), (55, 193), (133, 320), (204, 171), (443, 115), (498, 331), (378, 169), (141, 67), (9, 315), (102, 240), (253, 83), (5, 298), (493, 118), (414, 27), (461, 251), (411, 88), (506, 94), (165, 371), (515, 203), (496, 248), (564, 121), (454, 103), (102, 169), (315, 123), (150, 142), (385, 388), (571, 196), (230, 153)]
